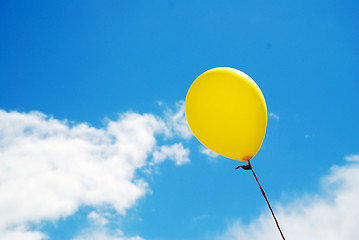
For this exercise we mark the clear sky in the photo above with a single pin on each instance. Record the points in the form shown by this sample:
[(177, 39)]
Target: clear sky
[(93, 138)]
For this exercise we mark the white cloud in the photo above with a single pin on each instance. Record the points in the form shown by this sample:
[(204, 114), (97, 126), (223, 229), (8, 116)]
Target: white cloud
[(20, 233), (105, 236), (98, 219), (98, 230), (273, 115), (331, 215), (208, 152), (49, 168), (352, 158), (175, 152)]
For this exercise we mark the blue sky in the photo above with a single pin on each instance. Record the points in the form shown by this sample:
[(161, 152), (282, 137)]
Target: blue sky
[(118, 71)]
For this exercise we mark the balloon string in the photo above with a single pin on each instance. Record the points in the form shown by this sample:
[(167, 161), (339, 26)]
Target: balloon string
[(249, 167)]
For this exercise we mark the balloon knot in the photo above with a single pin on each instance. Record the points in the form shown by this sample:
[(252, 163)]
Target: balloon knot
[(245, 167)]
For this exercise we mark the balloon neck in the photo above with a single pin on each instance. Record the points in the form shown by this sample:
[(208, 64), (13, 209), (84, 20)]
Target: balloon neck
[(247, 158)]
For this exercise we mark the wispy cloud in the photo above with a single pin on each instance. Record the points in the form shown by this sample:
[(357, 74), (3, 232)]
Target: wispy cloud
[(175, 152), (201, 217), (97, 218), (176, 120), (273, 115), (98, 230), (208, 152), (331, 215), (48, 167), (352, 158), (103, 234)]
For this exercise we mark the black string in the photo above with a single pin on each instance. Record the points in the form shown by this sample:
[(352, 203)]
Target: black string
[(249, 167)]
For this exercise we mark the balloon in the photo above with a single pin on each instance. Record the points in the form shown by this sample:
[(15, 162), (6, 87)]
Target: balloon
[(226, 111)]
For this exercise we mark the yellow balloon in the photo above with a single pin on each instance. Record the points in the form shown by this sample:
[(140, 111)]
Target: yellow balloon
[(226, 111)]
